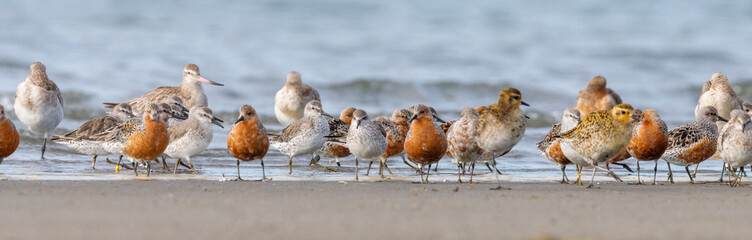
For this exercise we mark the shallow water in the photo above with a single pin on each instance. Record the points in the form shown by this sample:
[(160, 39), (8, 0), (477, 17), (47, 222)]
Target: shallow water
[(377, 56)]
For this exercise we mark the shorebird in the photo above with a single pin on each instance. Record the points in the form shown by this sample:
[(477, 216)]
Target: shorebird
[(81, 140), (550, 146), (290, 101), (366, 140), (141, 140), (190, 91), (501, 126), (177, 110), (624, 154), (596, 97), (599, 137), (9, 137), (192, 136), (337, 128), (735, 144), (247, 140), (694, 142), (462, 138), (721, 96), (396, 128), (113, 139), (649, 140), (425, 143), (304, 136), (38, 103)]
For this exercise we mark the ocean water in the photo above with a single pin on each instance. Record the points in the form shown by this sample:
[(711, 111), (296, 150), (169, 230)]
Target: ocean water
[(378, 56)]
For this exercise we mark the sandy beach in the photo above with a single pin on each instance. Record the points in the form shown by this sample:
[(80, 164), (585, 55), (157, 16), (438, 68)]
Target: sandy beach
[(200, 209)]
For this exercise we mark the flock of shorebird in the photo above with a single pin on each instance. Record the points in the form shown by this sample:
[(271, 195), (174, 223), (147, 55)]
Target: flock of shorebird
[(176, 122)]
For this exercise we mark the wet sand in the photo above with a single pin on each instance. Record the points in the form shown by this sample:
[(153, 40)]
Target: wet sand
[(201, 209)]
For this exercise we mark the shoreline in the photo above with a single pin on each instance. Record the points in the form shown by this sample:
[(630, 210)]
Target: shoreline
[(390, 209)]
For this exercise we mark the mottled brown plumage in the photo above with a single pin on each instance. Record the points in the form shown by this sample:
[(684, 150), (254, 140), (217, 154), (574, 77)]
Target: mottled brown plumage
[(596, 97)]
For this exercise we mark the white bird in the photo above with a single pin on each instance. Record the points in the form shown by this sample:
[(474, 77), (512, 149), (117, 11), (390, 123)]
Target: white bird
[(38, 103), (366, 140), (290, 101), (735, 143), (192, 136), (304, 136)]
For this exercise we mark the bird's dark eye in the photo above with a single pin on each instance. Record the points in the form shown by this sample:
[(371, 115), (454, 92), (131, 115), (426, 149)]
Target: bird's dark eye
[(623, 112), (516, 97)]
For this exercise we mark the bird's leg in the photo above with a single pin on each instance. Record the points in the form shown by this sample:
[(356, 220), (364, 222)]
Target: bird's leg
[(410, 165), (386, 166), (239, 178), (498, 182), (694, 174), (191, 165), (734, 183), (428, 172), (175, 171), (263, 172), (610, 173), (472, 170), (579, 176), (592, 177), (436, 169), (742, 172), (625, 166), (44, 145), (369, 168), (655, 171), (729, 172), (93, 161), (289, 164), (691, 180), (135, 168), (148, 168), (564, 178), (164, 163), (491, 170), (459, 172), (670, 174), (381, 167), (183, 164), (638, 172), (723, 170), (356, 169), (315, 162), (420, 172)]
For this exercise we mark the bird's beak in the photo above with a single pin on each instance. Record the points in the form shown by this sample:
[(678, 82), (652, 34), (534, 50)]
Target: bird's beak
[(524, 103), (526, 116), (202, 79), (722, 119), (635, 117), (326, 114), (439, 119), (217, 121), (357, 124), (178, 116), (240, 119), (415, 116)]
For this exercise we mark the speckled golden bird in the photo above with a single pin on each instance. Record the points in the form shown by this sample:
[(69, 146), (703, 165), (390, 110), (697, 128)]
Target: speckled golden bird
[(599, 137)]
